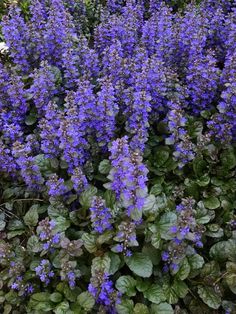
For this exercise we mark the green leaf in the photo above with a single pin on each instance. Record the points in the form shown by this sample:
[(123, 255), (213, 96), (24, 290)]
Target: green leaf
[(167, 220), (171, 295), (42, 162), (44, 306), (8, 193), (76, 309), (2, 221), (31, 217), (71, 295), (115, 262), (30, 119), (199, 166), (142, 285), (104, 166), (62, 308), (110, 198), (86, 197), (41, 296), (219, 251), (140, 264), (162, 156), (156, 240), (203, 181), (100, 264), (156, 189), (196, 261), (155, 294), (56, 297), (150, 208), (33, 244), (125, 307), (152, 253), (140, 309), (231, 249), (15, 224), (228, 159), (209, 296), (180, 288), (104, 237), (12, 297), (136, 214), (214, 231), (184, 270), (7, 309), (126, 285), (86, 300), (212, 202), (231, 276), (211, 269), (89, 241), (15, 233), (62, 224), (162, 308)]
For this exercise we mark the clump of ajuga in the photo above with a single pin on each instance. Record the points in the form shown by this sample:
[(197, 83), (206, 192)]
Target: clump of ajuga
[(117, 157)]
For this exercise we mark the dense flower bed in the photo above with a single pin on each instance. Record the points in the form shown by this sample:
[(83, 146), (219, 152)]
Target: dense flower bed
[(118, 158)]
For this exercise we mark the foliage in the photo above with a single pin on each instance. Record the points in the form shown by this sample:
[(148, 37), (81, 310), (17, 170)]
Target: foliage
[(118, 157)]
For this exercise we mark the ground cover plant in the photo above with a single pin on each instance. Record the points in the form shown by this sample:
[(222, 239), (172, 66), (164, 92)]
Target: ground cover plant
[(117, 157)]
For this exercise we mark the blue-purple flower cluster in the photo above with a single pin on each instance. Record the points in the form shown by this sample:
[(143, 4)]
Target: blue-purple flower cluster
[(185, 231), (100, 215), (101, 287), (44, 271), (141, 67), (90, 92)]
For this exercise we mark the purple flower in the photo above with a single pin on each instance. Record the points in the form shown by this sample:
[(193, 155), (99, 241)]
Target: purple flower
[(16, 34), (15, 286), (100, 215), (128, 177), (165, 256), (101, 287), (44, 272), (47, 234), (79, 180), (56, 186)]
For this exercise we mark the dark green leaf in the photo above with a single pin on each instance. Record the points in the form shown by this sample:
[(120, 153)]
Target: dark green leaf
[(30, 120), (155, 294), (140, 309), (115, 262), (212, 202), (180, 288), (62, 308), (31, 217), (140, 264), (231, 276), (209, 296), (86, 300), (56, 297), (196, 261), (89, 241), (162, 155), (125, 307), (100, 264), (41, 296), (162, 308), (167, 220), (104, 166), (126, 285), (87, 196), (33, 244), (184, 270)]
